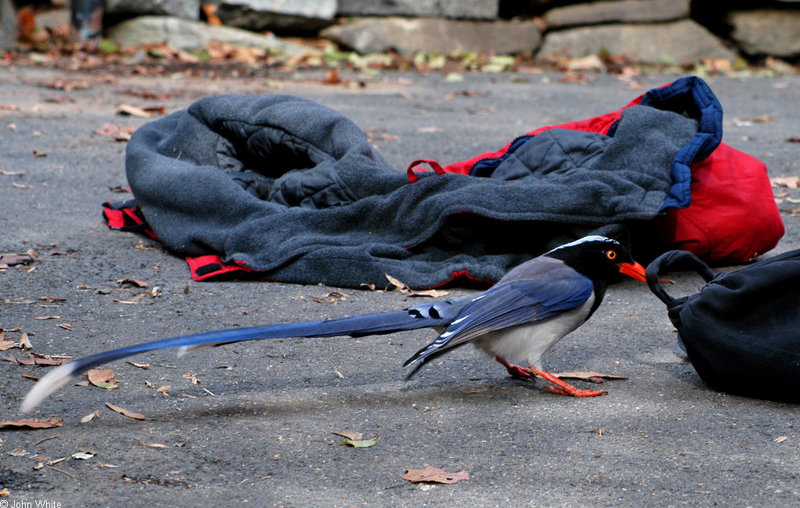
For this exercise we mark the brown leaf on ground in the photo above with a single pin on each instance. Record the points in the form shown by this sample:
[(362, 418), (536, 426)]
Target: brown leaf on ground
[(31, 423), (792, 182), (401, 286), (592, 377), (157, 446), (354, 436), (15, 259), (7, 344), (332, 77), (68, 86), (102, 378), (125, 412), (33, 359), (430, 293), (435, 475), (131, 110), (25, 341), (115, 131), (133, 282)]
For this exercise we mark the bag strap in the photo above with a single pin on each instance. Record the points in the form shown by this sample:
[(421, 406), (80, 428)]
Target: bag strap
[(676, 260)]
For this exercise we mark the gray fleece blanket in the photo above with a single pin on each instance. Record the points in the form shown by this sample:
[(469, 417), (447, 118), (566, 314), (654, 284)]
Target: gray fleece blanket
[(295, 191)]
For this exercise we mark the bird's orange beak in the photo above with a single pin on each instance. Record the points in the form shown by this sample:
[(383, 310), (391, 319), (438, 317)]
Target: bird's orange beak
[(633, 270)]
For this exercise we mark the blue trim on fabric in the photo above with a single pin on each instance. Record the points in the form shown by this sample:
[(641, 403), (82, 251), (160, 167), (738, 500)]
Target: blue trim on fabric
[(485, 167), (693, 93)]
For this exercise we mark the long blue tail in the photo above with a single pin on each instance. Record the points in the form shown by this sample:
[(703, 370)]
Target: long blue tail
[(421, 316)]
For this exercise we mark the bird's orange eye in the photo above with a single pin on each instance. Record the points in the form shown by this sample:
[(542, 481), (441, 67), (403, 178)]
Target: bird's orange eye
[(611, 254)]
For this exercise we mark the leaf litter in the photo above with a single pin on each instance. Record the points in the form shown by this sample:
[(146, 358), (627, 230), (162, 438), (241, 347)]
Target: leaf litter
[(434, 475)]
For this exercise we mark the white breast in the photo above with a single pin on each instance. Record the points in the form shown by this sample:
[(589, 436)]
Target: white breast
[(525, 344)]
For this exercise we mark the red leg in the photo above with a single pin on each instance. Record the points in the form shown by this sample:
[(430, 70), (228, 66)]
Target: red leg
[(515, 370), (563, 388)]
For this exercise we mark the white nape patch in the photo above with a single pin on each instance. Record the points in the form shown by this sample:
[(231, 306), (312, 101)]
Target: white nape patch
[(525, 344), (585, 239)]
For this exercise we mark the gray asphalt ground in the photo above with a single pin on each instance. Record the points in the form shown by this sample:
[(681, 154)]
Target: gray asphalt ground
[(256, 429)]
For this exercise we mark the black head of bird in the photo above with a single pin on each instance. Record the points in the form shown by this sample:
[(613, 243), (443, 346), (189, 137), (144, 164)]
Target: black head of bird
[(599, 258)]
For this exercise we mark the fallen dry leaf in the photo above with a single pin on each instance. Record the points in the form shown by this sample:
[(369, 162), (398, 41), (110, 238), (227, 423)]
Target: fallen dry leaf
[(132, 301), (15, 259), (33, 359), (82, 455), (115, 131), (133, 282), (430, 293), (102, 378), (157, 446), (31, 423), (592, 377), (355, 436), (792, 182), (4, 492), (139, 365), (129, 109), (43, 318), (401, 286), (332, 77), (435, 475), (125, 412), (360, 443), (780, 439), (90, 417), (761, 119), (25, 341)]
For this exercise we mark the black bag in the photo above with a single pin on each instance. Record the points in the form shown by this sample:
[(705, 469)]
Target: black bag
[(742, 330)]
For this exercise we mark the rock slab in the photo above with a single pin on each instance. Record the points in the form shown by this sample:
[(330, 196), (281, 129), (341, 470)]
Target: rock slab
[(618, 11), (193, 35), (654, 43), (408, 36), (767, 32), (186, 9), (278, 15), (457, 9)]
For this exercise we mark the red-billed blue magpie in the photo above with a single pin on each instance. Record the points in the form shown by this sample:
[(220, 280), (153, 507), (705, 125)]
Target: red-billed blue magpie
[(530, 309)]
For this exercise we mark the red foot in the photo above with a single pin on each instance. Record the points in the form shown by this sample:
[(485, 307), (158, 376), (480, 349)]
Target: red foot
[(561, 388), (515, 370)]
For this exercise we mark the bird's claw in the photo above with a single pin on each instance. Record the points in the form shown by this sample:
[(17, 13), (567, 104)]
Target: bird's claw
[(577, 392)]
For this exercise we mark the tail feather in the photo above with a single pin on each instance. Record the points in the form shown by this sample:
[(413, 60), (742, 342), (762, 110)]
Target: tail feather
[(356, 326)]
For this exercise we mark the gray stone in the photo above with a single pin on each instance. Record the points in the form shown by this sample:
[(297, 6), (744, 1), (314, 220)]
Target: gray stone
[(408, 36), (279, 15), (459, 9), (617, 11), (8, 25), (676, 42), (187, 9), (767, 32), (192, 35)]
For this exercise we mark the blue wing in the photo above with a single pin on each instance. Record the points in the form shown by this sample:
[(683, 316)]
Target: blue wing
[(512, 303)]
